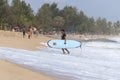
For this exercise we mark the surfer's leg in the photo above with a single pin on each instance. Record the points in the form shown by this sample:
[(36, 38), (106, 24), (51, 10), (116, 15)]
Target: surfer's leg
[(67, 51), (63, 51)]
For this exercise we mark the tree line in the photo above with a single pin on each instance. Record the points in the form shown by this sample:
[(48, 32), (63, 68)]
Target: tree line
[(50, 18)]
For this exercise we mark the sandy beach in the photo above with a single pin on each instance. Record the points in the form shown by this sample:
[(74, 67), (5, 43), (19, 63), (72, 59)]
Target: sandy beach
[(15, 40), (9, 71)]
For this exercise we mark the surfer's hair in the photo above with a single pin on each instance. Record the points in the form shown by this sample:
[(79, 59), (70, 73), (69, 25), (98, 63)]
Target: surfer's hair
[(63, 30)]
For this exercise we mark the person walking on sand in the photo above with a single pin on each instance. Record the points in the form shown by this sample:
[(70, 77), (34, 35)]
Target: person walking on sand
[(30, 31), (24, 32), (63, 37)]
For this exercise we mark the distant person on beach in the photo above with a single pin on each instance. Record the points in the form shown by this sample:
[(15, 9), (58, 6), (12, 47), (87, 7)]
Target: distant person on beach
[(30, 31), (63, 37), (24, 32)]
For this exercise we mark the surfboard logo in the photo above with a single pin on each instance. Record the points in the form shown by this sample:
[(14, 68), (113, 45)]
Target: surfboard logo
[(54, 43)]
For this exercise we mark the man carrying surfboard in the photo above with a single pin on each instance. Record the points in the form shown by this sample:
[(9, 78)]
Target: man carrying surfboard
[(63, 37)]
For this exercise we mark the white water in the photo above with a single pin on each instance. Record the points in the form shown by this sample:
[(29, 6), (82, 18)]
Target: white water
[(95, 61)]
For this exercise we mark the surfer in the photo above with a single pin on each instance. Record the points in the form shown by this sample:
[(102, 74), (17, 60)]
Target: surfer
[(63, 37)]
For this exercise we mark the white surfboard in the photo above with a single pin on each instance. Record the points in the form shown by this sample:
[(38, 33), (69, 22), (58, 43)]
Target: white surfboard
[(60, 44)]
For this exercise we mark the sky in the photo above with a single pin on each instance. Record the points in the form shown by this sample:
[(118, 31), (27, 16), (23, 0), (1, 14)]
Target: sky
[(108, 9)]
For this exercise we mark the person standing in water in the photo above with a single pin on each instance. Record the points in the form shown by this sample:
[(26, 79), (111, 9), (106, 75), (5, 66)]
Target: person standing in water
[(63, 37)]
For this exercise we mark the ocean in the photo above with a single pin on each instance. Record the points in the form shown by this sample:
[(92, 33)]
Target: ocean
[(95, 60)]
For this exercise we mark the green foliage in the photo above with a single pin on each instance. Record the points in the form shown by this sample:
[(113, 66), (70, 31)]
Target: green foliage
[(70, 16), (101, 25), (21, 13), (117, 27), (54, 10), (44, 17), (58, 23), (82, 28), (3, 10)]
